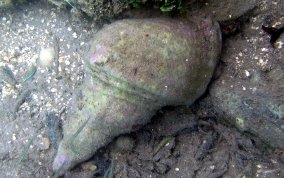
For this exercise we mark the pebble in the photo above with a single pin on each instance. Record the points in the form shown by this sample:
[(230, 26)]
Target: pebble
[(46, 57), (89, 166), (44, 144)]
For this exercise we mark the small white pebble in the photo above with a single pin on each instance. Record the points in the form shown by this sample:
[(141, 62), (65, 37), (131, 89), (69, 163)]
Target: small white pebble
[(14, 137), (244, 88), (279, 44), (74, 35), (45, 144), (46, 57), (69, 29), (122, 33), (254, 19), (247, 73), (264, 49), (176, 169), (273, 161), (53, 90), (67, 62), (34, 96), (274, 3)]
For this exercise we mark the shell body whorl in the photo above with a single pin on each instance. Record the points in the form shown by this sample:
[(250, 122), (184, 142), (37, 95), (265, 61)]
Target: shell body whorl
[(173, 59), (136, 67)]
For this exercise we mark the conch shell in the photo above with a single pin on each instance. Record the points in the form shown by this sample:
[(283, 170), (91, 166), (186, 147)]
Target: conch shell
[(136, 67)]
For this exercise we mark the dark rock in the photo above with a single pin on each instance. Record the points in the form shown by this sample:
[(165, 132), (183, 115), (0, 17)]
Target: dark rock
[(123, 144), (249, 93), (227, 10)]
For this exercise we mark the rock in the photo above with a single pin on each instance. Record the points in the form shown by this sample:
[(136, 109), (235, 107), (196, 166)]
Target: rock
[(135, 68), (44, 144), (227, 10), (46, 57), (89, 166), (249, 93)]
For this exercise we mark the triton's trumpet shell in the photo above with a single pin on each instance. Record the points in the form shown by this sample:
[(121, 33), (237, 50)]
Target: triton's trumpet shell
[(136, 67)]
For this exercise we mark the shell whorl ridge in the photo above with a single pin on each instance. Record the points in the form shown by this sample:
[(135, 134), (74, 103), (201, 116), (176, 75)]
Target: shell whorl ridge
[(135, 67)]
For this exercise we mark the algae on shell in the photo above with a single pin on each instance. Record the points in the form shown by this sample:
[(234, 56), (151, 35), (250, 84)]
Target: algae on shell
[(136, 67)]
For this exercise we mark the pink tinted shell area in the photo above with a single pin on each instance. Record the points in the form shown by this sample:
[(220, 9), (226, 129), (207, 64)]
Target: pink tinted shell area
[(98, 52), (61, 162), (210, 31), (206, 25), (209, 27)]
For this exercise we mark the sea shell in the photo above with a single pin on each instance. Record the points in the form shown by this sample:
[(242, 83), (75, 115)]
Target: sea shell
[(136, 67)]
